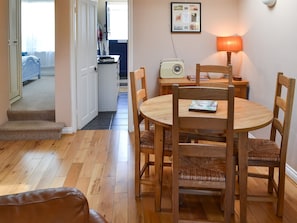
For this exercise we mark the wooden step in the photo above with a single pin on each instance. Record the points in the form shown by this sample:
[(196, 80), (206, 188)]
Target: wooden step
[(31, 130)]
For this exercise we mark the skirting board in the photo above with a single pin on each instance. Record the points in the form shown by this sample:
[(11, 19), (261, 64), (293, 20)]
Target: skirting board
[(68, 130), (291, 173)]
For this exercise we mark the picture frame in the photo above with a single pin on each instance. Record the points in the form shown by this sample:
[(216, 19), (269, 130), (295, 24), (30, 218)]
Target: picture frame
[(185, 17)]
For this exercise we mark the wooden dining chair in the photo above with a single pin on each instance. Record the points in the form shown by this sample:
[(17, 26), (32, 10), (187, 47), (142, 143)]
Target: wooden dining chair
[(271, 153), (143, 132), (203, 165), (227, 74), (226, 71)]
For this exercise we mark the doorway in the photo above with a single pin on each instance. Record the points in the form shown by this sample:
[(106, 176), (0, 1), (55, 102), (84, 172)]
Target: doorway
[(113, 40), (37, 76), (117, 32)]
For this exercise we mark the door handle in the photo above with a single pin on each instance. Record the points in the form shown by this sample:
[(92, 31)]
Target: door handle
[(95, 68)]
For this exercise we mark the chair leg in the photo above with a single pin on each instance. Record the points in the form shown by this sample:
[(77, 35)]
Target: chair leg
[(146, 160), (280, 193), (233, 185), (137, 174), (175, 204), (229, 195), (228, 206), (222, 201), (270, 179)]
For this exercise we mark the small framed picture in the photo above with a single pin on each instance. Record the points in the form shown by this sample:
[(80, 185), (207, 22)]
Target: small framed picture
[(186, 17)]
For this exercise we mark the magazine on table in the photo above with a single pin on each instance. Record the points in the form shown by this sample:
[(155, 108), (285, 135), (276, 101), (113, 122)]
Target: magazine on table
[(203, 105)]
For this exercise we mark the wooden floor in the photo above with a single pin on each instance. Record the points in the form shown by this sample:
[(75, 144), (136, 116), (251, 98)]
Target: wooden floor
[(100, 164)]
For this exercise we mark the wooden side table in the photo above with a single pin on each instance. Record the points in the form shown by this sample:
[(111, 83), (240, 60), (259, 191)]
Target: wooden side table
[(165, 85)]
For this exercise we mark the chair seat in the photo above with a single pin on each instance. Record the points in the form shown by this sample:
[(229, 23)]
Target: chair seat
[(202, 169), (263, 150), (147, 139)]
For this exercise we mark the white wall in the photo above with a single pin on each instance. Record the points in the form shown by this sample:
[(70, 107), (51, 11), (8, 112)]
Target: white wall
[(270, 46)]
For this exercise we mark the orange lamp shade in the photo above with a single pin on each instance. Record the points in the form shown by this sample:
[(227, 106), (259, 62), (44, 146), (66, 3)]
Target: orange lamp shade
[(229, 43)]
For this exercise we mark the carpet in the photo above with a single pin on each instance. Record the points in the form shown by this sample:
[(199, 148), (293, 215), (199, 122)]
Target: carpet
[(38, 94)]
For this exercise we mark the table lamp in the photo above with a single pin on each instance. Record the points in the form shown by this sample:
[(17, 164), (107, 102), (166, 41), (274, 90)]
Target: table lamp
[(229, 44)]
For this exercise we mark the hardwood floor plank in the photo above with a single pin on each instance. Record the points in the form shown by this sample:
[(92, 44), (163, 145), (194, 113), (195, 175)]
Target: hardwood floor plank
[(100, 163), (119, 213), (11, 156), (105, 201), (96, 176), (121, 178), (73, 174), (111, 159), (57, 182), (45, 174)]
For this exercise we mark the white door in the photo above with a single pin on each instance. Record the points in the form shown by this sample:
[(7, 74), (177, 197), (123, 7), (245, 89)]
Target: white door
[(15, 51), (86, 54)]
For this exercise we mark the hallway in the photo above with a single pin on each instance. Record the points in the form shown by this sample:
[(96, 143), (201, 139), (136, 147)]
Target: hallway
[(117, 120)]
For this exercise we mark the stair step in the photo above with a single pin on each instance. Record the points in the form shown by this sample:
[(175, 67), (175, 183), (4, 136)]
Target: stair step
[(31, 130), (20, 115)]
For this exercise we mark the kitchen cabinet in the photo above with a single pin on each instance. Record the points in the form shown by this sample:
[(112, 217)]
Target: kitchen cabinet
[(108, 86)]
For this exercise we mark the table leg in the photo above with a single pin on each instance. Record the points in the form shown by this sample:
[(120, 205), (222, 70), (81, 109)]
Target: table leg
[(159, 140), (243, 168)]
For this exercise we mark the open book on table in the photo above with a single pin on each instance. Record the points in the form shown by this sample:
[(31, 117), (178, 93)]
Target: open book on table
[(203, 105)]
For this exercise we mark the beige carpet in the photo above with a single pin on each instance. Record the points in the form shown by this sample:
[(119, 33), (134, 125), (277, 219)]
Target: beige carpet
[(38, 94)]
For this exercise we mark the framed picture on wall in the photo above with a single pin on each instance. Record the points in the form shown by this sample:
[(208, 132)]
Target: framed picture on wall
[(185, 17)]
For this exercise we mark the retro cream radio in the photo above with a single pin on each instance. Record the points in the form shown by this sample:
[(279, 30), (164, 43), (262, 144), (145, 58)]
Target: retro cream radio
[(172, 68)]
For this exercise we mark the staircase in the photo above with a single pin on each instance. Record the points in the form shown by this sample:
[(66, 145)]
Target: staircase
[(31, 125)]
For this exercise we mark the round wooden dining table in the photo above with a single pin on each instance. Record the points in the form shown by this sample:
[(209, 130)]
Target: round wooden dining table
[(248, 116)]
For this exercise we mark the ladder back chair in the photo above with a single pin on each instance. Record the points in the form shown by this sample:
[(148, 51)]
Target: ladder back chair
[(203, 165), (143, 132), (218, 69), (272, 152)]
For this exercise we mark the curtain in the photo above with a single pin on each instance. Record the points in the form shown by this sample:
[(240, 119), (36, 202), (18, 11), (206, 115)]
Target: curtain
[(38, 30)]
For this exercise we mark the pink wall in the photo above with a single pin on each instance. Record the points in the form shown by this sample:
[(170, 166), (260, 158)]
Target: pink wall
[(63, 62), (153, 41), (269, 36)]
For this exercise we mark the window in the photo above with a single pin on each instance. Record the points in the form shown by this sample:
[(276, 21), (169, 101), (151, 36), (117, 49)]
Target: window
[(38, 26), (117, 20)]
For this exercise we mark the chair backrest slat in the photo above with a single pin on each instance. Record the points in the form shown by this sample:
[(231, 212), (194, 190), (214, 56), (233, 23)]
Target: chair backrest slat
[(203, 123), (203, 151)]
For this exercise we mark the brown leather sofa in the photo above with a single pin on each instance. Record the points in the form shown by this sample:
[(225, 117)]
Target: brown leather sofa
[(53, 205)]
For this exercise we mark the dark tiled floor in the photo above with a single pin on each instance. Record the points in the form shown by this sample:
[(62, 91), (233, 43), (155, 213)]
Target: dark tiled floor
[(112, 120)]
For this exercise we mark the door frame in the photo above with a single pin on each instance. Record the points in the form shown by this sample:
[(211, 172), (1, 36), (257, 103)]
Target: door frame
[(15, 48)]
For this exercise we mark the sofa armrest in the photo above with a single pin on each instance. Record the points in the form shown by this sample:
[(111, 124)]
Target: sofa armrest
[(46, 206), (95, 217)]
